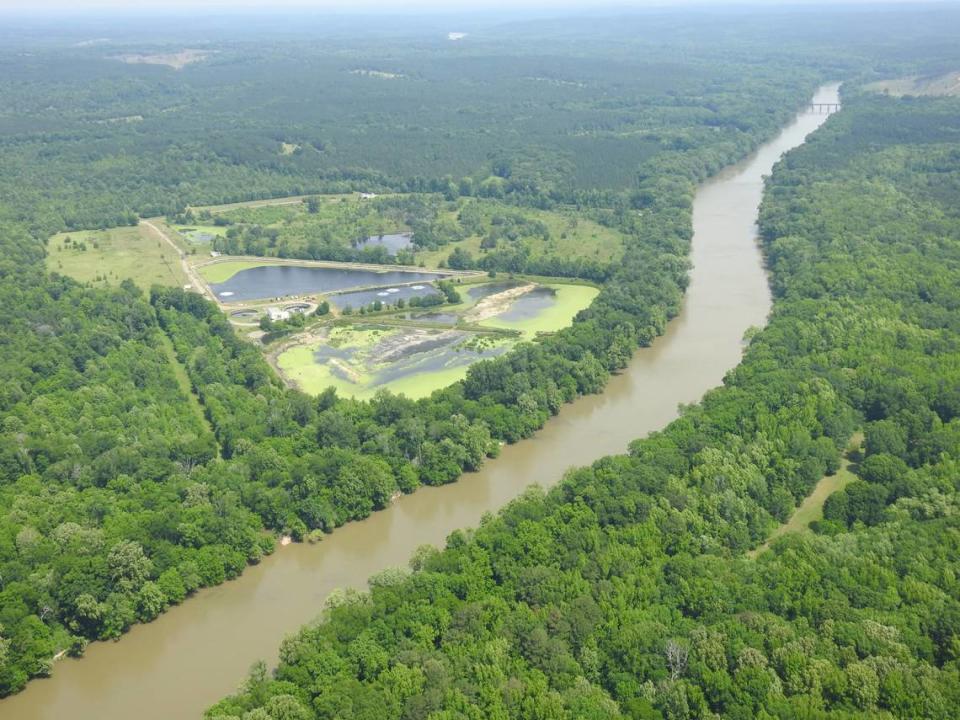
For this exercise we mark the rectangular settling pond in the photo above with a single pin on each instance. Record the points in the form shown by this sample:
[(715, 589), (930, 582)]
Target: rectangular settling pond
[(270, 281)]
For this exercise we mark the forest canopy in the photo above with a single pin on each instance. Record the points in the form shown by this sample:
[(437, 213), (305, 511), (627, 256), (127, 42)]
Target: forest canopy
[(626, 591), (147, 451)]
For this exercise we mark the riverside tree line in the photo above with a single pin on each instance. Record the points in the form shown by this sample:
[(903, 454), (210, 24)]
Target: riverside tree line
[(625, 592), (120, 495)]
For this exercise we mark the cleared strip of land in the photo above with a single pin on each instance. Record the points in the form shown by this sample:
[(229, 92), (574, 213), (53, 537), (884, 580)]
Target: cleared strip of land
[(946, 84), (180, 373), (811, 509)]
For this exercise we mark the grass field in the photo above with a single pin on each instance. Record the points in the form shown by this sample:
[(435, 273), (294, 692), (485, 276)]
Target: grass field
[(570, 237), (111, 256), (291, 200), (186, 230), (571, 299), (223, 271)]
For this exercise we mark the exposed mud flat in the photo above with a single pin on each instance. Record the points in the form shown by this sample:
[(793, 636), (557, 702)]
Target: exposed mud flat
[(408, 343), (496, 304)]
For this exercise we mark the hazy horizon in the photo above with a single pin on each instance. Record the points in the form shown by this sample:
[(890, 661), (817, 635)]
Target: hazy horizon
[(450, 7)]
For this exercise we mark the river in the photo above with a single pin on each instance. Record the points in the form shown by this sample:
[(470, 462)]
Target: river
[(197, 652)]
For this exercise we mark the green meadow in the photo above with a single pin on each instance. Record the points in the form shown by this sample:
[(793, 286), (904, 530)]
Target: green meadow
[(111, 256), (330, 226), (218, 272)]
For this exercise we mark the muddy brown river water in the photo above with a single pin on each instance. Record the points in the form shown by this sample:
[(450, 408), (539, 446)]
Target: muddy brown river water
[(197, 652)]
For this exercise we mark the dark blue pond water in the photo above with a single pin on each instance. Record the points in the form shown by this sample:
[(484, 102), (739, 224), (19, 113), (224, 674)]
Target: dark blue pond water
[(362, 298), (271, 281), (478, 292)]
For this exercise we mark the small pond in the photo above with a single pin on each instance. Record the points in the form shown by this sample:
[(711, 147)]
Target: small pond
[(199, 237), (441, 318), (394, 243)]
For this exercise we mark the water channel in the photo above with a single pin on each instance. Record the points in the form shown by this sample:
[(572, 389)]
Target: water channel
[(191, 656)]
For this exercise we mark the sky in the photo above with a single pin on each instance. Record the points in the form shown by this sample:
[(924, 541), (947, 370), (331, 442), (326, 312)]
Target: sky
[(338, 5), (76, 6)]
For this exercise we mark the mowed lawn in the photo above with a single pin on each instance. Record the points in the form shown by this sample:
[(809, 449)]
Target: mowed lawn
[(219, 272), (111, 256)]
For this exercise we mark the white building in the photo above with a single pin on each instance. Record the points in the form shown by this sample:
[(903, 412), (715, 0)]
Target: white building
[(275, 314)]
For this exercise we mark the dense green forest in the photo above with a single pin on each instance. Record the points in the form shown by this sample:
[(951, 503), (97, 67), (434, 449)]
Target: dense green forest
[(118, 498), (625, 591), (537, 120), (118, 501)]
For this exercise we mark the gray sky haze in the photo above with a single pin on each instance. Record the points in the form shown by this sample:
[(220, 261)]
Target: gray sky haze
[(395, 6)]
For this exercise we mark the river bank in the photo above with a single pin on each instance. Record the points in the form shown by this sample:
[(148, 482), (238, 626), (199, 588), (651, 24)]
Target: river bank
[(192, 655)]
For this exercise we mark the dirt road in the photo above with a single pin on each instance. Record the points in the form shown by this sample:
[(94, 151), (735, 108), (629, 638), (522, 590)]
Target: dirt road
[(196, 282)]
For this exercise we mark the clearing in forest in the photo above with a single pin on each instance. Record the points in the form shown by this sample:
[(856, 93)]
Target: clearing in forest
[(946, 84), (811, 509), (352, 228), (183, 381), (108, 257), (175, 60)]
